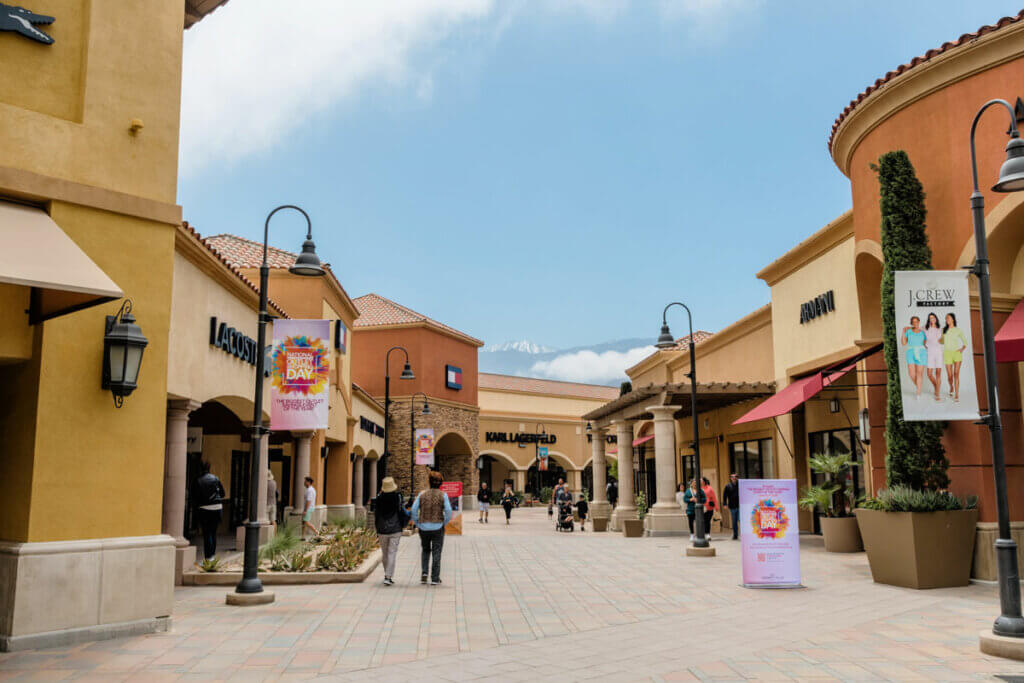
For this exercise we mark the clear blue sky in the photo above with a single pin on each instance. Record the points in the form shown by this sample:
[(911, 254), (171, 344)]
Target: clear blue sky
[(556, 171)]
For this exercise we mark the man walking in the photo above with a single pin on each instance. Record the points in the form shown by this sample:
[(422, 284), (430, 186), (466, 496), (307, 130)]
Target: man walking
[(209, 494), (612, 492), (731, 500), (483, 499), (310, 504)]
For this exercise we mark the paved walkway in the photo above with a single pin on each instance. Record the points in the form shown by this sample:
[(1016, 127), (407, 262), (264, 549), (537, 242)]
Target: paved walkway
[(525, 603)]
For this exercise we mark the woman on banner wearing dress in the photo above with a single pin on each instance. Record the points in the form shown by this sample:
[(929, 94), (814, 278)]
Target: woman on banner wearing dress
[(954, 343), (913, 338), (933, 345)]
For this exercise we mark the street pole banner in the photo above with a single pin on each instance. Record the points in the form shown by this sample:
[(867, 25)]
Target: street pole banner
[(542, 458), (425, 446), (934, 347), (769, 533), (453, 489), (299, 374)]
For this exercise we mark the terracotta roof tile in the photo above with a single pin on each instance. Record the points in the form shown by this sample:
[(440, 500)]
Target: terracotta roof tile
[(245, 253), (698, 337), (903, 68), (547, 386), (377, 311), (228, 264)]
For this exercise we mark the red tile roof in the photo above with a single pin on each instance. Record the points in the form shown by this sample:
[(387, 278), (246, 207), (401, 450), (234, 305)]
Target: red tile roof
[(195, 10), (547, 386), (698, 337), (903, 68), (227, 264), (378, 311), (248, 254)]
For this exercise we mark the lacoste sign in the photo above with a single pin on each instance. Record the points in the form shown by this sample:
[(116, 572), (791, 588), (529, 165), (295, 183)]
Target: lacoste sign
[(23, 21)]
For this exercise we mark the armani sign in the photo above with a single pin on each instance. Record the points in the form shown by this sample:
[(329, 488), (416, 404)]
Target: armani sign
[(23, 21)]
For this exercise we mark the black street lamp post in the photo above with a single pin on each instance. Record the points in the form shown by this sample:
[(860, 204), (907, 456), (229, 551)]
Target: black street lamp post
[(1011, 179), (412, 437), (307, 263), (667, 341), (406, 374)]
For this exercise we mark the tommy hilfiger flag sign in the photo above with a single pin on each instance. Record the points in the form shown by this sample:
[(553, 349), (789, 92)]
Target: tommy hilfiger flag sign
[(453, 377)]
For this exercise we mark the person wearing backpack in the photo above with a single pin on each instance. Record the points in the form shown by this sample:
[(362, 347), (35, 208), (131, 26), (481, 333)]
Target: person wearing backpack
[(389, 518), (209, 497)]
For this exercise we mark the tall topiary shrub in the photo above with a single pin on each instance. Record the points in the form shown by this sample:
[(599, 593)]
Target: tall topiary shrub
[(914, 456)]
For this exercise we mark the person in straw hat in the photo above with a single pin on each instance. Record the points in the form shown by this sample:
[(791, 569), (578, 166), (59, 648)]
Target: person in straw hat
[(389, 518)]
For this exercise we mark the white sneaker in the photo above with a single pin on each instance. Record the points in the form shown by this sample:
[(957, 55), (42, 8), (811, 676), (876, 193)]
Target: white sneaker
[(691, 537)]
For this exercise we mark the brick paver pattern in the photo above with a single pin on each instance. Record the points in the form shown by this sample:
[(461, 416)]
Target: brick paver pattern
[(526, 603)]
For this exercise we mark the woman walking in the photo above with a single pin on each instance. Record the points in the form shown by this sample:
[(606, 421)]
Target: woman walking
[(710, 505), (688, 500), (431, 512), (389, 519), (508, 501)]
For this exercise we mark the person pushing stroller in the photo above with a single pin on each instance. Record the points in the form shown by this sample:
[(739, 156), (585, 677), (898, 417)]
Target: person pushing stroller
[(563, 501)]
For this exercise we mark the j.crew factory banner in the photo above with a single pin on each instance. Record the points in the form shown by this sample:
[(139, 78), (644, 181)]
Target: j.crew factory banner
[(299, 375)]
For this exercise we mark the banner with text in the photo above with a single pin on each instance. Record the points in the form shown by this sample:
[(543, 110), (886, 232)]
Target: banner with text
[(453, 489), (299, 374), (933, 340), (425, 447), (769, 533)]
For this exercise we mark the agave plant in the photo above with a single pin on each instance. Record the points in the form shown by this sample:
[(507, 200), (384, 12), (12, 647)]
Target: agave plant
[(905, 499), (211, 564), (300, 560), (284, 541)]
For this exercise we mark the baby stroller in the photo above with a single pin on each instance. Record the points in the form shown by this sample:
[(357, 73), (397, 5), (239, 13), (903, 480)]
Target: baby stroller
[(563, 520)]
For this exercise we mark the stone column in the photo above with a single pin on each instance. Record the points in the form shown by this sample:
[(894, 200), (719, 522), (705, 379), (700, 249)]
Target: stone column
[(519, 478), (372, 492), (600, 507), (574, 478), (302, 446), (626, 507), (175, 468), (665, 517), (357, 486)]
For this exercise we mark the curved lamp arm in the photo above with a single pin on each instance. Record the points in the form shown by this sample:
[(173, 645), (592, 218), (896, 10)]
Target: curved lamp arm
[(266, 226), (689, 317), (387, 358), (974, 126)]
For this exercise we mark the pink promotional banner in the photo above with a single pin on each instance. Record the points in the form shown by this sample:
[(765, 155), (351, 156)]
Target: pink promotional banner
[(769, 533), (300, 365)]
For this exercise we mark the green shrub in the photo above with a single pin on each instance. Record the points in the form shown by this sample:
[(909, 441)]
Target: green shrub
[(914, 456), (210, 565), (545, 494), (284, 541), (641, 505), (833, 497), (906, 499)]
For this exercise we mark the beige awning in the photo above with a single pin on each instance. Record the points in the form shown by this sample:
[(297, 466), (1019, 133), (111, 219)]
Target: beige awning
[(36, 253)]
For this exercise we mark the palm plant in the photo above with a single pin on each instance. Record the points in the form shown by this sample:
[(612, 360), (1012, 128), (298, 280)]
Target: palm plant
[(832, 496)]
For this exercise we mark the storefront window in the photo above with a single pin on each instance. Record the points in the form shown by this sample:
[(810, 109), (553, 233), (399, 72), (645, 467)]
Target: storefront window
[(689, 468), (836, 442), (751, 459)]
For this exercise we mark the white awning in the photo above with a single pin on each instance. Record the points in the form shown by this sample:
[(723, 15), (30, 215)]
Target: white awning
[(36, 253)]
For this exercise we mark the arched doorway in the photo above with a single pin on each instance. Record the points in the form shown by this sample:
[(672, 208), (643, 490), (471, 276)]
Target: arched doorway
[(453, 458), (558, 468), (588, 474), (496, 468)]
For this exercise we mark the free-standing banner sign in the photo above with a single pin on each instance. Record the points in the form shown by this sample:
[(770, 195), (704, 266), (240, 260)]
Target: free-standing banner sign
[(454, 491), (299, 375), (933, 336), (425, 447), (769, 533)]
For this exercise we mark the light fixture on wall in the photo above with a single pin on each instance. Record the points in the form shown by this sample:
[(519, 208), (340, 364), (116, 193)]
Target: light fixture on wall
[(833, 405), (865, 426), (123, 344)]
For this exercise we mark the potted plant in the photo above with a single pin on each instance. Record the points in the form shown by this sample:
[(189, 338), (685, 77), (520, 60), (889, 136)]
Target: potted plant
[(919, 538), (835, 499), (916, 533), (634, 528)]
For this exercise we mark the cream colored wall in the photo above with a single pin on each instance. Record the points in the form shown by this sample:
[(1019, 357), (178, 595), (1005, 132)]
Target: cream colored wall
[(745, 358), (65, 109), (496, 401), (570, 449), (196, 369), (341, 397), (796, 344)]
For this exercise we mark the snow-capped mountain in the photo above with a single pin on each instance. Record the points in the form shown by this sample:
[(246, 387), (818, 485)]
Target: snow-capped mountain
[(603, 363), (522, 346)]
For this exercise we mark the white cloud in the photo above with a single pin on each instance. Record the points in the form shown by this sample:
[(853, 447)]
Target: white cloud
[(257, 71), (591, 367)]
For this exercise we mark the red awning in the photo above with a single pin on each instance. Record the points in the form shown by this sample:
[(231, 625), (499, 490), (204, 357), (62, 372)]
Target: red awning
[(1010, 338), (612, 451), (643, 439), (803, 389)]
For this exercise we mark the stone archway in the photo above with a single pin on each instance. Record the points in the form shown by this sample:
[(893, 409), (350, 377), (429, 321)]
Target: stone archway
[(453, 458)]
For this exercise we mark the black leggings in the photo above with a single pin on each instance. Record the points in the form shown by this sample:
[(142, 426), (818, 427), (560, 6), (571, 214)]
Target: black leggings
[(708, 514), (690, 518), (508, 511)]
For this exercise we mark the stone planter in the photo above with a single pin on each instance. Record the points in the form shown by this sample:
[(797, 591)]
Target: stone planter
[(230, 578), (600, 523), (842, 535), (919, 549), (632, 528)]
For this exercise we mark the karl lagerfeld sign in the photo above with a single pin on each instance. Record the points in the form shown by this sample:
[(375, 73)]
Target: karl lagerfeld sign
[(818, 306), (523, 438)]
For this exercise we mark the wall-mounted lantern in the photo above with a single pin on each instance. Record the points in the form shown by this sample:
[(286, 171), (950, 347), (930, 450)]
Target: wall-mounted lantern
[(833, 405), (123, 345), (865, 426)]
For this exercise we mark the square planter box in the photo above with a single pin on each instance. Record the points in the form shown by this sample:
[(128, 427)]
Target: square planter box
[(632, 528), (842, 535), (919, 549), (600, 523)]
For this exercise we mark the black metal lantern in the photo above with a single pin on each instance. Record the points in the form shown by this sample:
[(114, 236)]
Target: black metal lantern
[(123, 345)]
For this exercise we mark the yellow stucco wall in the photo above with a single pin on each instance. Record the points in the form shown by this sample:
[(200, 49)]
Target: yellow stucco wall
[(15, 340), (797, 344), (66, 108)]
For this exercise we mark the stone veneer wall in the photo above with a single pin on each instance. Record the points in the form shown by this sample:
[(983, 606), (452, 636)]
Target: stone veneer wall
[(444, 418)]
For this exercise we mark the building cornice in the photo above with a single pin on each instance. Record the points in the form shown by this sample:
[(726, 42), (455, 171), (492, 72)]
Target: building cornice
[(749, 323), (830, 236)]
